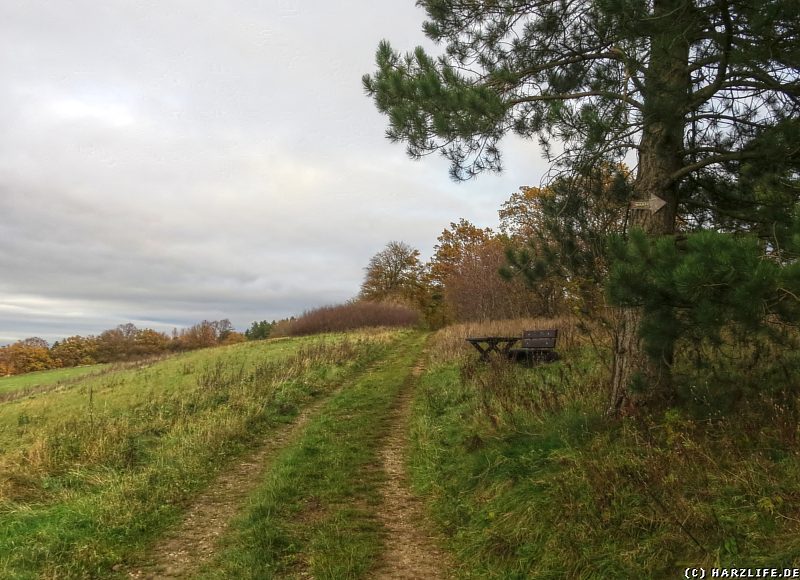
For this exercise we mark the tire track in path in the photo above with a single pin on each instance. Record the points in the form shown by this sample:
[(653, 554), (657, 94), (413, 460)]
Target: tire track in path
[(185, 548), (411, 551)]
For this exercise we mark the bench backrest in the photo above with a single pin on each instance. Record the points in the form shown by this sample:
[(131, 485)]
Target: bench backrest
[(544, 339)]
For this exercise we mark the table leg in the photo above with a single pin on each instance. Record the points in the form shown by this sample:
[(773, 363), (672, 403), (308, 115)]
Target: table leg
[(484, 351)]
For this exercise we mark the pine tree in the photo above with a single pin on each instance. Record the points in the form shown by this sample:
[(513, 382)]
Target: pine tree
[(566, 229), (259, 330), (708, 284), (700, 90)]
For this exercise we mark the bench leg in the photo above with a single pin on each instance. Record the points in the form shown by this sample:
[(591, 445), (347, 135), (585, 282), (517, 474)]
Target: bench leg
[(533, 357)]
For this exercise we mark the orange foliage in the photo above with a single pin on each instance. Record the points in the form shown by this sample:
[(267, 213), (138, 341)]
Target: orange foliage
[(393, 275), (233, 337), (465, 269), (25, 356)]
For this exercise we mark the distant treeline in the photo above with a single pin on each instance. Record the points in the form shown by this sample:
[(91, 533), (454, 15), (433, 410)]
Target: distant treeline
[(125, 342)]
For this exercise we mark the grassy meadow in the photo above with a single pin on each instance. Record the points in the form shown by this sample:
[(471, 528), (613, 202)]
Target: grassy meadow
[(521, 468), (92, 473), (47, 378), (530, 478)]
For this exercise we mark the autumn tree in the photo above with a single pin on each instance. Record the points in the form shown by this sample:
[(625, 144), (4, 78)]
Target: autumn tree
[(200, 335), (126, 342), (233, 337), (28, 355), (204, 334), (6, 368), (457, 247), (74, 351), (147, 342), (465, 269), (116, 343), (702, 91), (393, 275), (223, 329)]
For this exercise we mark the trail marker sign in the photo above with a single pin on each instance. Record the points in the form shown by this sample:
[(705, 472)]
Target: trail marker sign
[(654, 204)]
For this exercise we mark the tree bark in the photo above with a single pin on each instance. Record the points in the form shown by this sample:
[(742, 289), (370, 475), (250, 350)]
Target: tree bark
[(629, 357), (661, 154)]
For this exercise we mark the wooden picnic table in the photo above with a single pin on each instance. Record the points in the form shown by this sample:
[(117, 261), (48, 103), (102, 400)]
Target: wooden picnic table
[(489, 344)]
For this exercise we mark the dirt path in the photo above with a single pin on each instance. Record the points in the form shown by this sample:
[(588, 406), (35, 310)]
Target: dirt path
[(185, 548), (411, 550)]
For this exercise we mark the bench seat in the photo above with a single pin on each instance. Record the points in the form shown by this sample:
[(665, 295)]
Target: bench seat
[(537, 346)]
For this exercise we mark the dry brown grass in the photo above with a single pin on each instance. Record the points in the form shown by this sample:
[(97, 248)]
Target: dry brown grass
[(449, 343)]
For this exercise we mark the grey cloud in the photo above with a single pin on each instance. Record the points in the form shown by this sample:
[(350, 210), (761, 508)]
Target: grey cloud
[(164, 162)]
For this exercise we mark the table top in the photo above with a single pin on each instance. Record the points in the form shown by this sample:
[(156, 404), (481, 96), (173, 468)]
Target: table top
[(492, 338)]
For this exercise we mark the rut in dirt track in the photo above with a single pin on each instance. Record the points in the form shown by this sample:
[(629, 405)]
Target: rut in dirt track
[(411, 550), (193, 543)]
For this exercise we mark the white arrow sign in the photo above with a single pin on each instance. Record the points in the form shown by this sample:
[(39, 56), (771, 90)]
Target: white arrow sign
[(654, 204)]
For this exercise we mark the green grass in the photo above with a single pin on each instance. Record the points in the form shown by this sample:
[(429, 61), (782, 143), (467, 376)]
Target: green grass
[(91, 475), (314, 512), (50, 377), (519, 467), (529, 478), (113, 394)]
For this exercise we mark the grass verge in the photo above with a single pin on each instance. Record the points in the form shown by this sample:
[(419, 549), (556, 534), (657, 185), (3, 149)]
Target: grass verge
[(314, 513), (529, 479)]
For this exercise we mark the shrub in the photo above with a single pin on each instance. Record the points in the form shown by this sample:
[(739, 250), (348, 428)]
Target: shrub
[(347, 317)]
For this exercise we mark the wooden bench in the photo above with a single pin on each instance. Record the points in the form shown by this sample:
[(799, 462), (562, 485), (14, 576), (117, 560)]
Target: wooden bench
[(537, 346)]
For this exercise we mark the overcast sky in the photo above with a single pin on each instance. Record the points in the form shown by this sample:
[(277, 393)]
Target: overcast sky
[(162, 162)]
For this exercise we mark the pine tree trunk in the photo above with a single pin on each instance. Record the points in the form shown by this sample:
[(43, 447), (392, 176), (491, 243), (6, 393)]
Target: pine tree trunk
[(666, 96), (629, 358)]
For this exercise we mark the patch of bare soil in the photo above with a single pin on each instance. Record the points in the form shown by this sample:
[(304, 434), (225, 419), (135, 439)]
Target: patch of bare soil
[(191, 544), (411, 550)]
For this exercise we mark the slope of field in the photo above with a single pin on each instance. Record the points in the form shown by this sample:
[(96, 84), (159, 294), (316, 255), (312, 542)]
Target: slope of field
[(288, 458), (46, 378), (91, 474)]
